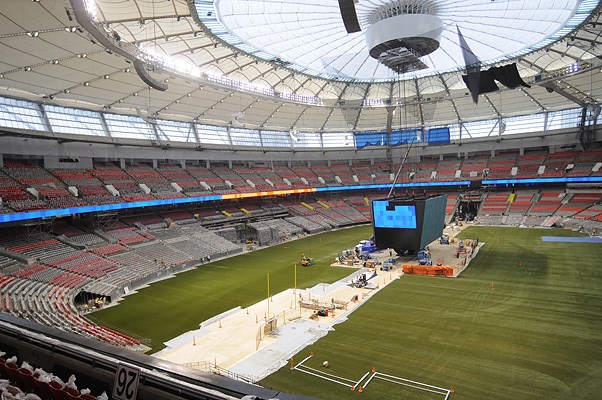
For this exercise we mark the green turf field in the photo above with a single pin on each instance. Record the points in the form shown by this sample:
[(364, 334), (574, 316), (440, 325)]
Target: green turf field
[(171, 307), (538, 335)]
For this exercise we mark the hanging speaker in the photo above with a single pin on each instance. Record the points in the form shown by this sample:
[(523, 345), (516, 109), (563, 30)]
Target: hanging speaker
[(149, 80), (349, 15)]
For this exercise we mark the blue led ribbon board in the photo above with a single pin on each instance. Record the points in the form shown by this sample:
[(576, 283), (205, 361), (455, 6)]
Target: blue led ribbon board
[(387, 215)]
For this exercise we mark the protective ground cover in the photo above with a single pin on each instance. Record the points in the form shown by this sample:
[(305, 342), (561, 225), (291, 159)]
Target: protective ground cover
[(537, 335), (171, 307)]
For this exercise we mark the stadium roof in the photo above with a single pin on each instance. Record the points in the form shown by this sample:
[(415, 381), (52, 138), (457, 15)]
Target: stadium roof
[(270, 70)]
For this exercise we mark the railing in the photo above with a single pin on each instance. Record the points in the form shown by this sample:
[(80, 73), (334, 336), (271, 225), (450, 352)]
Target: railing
[(213, 368)]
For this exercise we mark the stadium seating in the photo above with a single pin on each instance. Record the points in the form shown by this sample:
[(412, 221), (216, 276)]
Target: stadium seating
[(577, 203), (473, 167), (495, 203), (29, 381), (344, 172), (521, 202), (529, 163), (547, 203), (363, 171), (501, 165), (556, 163), (129, 236)]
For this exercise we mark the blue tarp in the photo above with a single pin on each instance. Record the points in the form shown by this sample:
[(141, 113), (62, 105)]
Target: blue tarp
[(438, 136), (571, 239), (380, 138)]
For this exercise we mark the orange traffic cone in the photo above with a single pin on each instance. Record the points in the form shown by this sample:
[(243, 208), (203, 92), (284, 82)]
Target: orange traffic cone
[(373, 369), (361, 389), (352, 388), (451, 389)]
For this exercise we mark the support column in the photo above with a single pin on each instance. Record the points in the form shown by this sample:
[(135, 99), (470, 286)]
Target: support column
[(122, 163)]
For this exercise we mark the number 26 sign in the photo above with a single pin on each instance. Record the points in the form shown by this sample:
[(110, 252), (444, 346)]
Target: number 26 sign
[(126, 383)]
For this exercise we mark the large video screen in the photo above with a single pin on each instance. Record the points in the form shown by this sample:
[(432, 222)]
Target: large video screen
[(434, 219), (408, 223), (391, 215)]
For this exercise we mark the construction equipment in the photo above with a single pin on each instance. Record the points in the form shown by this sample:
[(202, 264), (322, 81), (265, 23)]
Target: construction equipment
[(306, 261), (360, 282), (424, 258), (388, 264), (461, 249)]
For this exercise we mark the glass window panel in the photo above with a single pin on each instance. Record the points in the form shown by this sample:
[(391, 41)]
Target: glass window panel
[(212, 134), (74, 121), (275, 139), (338, 139), (245, 137), (454, 132), (479, 129), (21, 115), (564, 119), (308, 139), (524, 124), (176, 131), (126, 126)]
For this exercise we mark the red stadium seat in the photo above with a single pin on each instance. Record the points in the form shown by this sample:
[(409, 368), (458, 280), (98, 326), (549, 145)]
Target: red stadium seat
[(26, 383), (42, 389), (57, 391)]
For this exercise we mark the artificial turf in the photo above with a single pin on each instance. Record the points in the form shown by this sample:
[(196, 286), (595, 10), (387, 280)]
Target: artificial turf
[(536, 335), (171, 307)]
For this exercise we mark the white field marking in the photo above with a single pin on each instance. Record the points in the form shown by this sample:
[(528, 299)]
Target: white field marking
[(407, 380), (323, 377), (369, 379), (447, 395), (361, 379), (410, 385), (326, 373), (305, 359)]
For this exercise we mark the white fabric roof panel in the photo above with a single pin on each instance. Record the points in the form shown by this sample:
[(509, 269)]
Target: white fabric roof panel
[(190, 43)]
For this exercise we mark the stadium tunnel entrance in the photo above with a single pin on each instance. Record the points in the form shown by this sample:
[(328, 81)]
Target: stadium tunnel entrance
[(89, 301), (468, 209)]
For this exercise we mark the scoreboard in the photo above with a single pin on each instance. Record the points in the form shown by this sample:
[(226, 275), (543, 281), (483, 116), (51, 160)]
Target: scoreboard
[(408, 223)]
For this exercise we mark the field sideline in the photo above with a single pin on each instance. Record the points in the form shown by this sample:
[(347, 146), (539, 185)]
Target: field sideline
[(535, 336), (171, 307)]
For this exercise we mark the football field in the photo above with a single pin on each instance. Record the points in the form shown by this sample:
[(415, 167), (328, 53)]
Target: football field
[(536, 335), (523, 321), (171, 307)]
